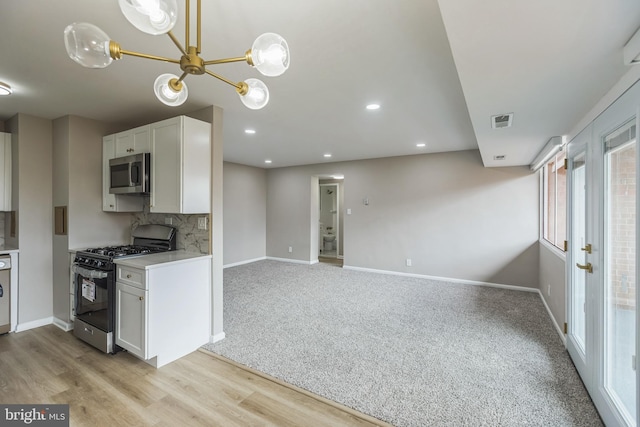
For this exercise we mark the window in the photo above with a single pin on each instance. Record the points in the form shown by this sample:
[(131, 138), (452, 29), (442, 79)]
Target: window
[(554, 199)]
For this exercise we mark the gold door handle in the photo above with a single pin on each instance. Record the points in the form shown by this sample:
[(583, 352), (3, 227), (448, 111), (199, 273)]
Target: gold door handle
[(587, 248), (587, 267)]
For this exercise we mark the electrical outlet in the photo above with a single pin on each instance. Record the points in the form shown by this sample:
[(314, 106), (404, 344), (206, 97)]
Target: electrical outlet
[(202, 223), (168, 220), (408, 262), (548, 289), (290, 249)]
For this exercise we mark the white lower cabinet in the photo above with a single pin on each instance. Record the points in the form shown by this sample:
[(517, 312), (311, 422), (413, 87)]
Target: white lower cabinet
[(163, 305), (131, 319)]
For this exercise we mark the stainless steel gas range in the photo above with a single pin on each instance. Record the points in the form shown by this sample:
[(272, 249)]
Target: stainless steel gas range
[(94, 271)]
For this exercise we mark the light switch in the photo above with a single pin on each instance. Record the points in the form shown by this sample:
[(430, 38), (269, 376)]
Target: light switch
[(348, 211)]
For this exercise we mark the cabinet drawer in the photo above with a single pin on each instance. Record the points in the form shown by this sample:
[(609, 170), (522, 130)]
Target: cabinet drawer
[(132, 276)]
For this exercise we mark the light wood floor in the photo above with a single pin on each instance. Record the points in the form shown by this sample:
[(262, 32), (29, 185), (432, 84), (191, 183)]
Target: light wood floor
[(48, 365)]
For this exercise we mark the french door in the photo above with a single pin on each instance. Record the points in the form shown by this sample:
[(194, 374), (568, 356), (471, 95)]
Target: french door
[(602, 332)]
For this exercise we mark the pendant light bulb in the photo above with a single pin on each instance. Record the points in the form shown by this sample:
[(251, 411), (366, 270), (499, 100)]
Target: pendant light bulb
[(171, 95), (150, 16), (270, 54), (257, 95), (88, 45)]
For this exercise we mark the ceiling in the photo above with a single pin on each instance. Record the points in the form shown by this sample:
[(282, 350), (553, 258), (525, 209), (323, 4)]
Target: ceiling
[(439, 72)]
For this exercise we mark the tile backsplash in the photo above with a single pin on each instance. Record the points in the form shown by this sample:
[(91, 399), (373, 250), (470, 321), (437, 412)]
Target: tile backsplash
[(188, 237)]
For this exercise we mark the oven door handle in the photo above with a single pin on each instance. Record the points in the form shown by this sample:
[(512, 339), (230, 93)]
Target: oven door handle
[(85, 272)]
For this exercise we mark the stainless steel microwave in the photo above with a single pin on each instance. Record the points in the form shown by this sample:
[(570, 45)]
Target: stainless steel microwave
[(129, 174)]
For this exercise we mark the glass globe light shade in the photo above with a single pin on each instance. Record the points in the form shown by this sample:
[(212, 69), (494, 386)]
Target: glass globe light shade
[(150, 16), (166, 94), (257, 96), (270, 54), (88, 45)]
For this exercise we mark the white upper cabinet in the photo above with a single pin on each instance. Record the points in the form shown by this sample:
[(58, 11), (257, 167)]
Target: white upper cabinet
[(115, 202), (5, 172), (133, 141), (180, 166)]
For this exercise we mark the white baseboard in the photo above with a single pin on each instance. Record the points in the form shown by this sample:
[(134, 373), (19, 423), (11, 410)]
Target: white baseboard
[(65, 326), (248, 261), (216, 337), (553, 319), (21, 327), (294, 261), (444, 279)]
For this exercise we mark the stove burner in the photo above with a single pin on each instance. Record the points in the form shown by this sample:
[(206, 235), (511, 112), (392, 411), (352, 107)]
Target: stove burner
[(125, 250)]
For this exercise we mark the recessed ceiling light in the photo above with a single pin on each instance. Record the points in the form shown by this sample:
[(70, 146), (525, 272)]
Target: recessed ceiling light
[(327, 155), (373, 106), (267, 161), (5, 89), (249, 131), (421, 144)]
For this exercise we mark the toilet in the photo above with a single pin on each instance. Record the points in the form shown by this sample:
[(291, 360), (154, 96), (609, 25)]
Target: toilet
[(328, 240)]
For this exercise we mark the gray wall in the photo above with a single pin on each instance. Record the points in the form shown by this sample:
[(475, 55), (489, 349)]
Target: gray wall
[(31, 200), (449, 214), (552, 283), (77, 184), (245, 207)]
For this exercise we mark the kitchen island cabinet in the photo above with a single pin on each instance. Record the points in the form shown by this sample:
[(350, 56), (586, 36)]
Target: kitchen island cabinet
[(163, 305)]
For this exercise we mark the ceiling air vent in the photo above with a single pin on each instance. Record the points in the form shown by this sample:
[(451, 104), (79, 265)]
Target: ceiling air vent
[(501, 121)]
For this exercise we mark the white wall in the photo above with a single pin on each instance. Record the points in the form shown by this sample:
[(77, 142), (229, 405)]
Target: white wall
[(449, 214), (245, 206)]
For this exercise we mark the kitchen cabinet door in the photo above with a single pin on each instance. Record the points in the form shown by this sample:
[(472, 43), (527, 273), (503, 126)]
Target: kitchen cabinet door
[(180, 166), (5, 172), (133, 141), (131, 319)]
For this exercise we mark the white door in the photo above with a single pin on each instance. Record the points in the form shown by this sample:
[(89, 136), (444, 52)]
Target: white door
[(602, 334), (579, 250)]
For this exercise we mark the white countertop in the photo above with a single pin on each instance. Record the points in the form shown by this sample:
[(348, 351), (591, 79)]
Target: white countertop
[(161, 259), (4, 249)]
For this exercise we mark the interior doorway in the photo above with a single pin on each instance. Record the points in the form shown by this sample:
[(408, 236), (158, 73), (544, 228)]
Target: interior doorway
[(330, 220)]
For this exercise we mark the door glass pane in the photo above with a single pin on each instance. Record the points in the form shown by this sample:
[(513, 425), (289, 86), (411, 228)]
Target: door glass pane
[(620, 268), (578, 222)]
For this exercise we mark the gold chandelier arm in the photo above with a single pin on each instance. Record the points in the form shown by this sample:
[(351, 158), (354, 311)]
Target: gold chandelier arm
[(144, 55), (175, 41), (239, 86), (246, 58), (185, 74)]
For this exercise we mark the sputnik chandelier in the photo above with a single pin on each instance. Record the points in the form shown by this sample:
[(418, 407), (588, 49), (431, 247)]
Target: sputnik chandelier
[(91, 47)]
